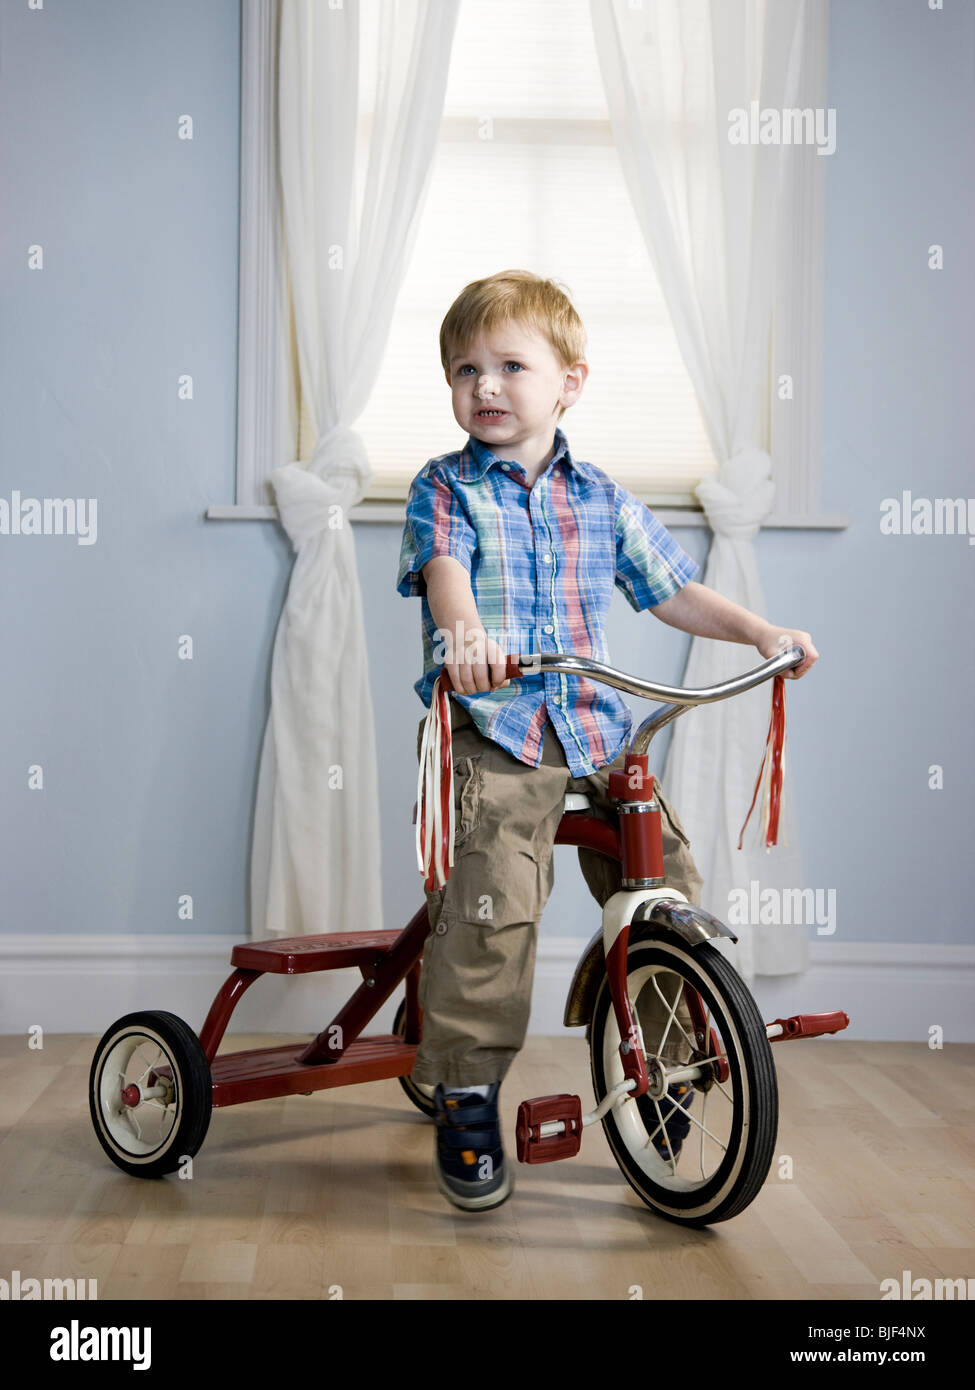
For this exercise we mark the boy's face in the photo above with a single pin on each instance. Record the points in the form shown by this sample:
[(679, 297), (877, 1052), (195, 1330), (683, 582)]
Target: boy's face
[(512, 371)]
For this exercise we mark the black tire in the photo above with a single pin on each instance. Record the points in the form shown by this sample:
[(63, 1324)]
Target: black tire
[(421, 1096), (134, 1047), (745, 1122)]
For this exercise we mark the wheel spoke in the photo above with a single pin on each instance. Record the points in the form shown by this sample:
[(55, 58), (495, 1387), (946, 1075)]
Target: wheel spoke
[(671, 1015), (671, 1012), (722, 1092), (694, 1120), (666, 1139), (704, 1130), (674, 1106), (129, 1112), (159, 1053)]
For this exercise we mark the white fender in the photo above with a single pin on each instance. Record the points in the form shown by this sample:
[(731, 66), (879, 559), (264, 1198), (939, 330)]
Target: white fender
[(621, 909)]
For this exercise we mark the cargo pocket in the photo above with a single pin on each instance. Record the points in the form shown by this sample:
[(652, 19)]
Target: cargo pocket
[(495, 890), (468, 780)]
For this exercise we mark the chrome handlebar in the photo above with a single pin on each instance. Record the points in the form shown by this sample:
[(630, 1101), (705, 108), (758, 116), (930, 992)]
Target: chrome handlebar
[(674, 694), (678, 699)]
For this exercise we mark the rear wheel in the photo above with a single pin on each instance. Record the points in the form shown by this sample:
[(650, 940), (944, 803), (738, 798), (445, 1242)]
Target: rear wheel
[(732, 1114), (150, 1093), (421, 1096)]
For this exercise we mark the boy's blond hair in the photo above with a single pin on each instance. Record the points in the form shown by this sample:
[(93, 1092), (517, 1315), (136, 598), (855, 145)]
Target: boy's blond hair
[(541, 304)]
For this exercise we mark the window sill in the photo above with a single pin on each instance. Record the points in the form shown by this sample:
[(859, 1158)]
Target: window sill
[(394, 513)]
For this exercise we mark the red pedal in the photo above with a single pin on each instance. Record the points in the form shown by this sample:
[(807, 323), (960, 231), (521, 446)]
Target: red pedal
[(810, 1025), (533, 1146)]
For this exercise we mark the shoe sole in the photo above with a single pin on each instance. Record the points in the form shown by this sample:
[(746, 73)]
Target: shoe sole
[(485, 1203)]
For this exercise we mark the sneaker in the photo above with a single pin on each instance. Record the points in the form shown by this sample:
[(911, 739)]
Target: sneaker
[(469, 1160), (676, 1126)]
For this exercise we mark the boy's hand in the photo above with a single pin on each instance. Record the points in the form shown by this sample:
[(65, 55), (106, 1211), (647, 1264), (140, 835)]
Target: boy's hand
[(481, 667), (778, 638)]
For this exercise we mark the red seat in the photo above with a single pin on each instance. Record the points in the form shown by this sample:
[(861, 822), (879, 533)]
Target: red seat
[(300, 955)]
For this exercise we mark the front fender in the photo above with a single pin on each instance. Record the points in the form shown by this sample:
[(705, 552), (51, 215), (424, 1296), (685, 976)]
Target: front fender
[(692, 923), (665, 914)]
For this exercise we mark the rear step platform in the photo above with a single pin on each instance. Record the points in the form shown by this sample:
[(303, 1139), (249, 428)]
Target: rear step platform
[(266, 1072), (301, 955)]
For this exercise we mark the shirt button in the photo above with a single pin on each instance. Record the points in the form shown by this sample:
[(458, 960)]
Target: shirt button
[(547, 559), (506, 466), (548, 628), (556, 699), (556, 473)]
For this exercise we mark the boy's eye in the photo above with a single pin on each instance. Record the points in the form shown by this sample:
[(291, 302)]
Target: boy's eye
[(467, 367)]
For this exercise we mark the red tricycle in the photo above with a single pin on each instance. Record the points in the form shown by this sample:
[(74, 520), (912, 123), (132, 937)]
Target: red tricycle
[(663, 1009)]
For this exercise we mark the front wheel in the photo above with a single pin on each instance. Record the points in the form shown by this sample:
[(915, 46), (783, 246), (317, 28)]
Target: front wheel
[(696, 1150), (150, 1093)]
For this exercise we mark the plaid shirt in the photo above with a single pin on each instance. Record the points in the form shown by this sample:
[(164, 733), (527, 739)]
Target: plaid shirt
[(543, 563)]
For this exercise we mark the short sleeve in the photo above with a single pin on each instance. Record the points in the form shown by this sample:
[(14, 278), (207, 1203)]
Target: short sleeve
[(650, 566), (436, 524)]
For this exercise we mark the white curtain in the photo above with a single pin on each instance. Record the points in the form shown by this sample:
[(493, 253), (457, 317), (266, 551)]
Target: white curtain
[(710, 211), (361, 96)]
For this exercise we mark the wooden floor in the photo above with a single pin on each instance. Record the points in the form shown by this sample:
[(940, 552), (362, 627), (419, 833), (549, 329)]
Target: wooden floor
[(302, 1197)]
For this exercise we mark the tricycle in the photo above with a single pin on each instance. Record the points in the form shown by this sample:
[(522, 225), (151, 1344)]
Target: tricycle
[(652, 963)]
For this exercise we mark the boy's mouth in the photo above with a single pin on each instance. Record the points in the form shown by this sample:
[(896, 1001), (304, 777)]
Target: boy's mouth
[(491, 416)]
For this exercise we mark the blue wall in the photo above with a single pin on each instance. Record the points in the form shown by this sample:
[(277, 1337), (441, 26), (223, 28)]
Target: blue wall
[(150, 762)]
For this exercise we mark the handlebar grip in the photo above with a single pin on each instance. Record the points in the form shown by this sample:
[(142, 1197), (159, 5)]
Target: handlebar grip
[(511, 669)]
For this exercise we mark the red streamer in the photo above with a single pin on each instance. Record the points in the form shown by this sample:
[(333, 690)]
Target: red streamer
[(436, 859), (771, 769)]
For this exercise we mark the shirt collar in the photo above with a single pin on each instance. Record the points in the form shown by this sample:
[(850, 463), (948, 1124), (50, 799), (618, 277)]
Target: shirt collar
[(476, 458)]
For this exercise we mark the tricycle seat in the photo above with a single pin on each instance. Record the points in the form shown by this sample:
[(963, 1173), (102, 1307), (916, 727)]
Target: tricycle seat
[(301, 955)]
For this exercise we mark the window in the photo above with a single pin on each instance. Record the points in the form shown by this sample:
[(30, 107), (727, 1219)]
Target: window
[(526, 175)]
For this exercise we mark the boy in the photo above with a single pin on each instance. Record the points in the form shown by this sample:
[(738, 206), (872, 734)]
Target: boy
[(512, 535)]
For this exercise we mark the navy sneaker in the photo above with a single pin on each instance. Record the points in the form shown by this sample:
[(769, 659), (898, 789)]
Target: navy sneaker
[(469, 1159), (676, 1126)]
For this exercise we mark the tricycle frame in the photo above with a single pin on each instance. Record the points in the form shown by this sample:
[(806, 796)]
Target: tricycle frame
[(340, 1055), (199, 1078)]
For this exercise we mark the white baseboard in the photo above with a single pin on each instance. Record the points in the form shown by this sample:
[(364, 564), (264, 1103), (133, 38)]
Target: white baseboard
[(81, 984)]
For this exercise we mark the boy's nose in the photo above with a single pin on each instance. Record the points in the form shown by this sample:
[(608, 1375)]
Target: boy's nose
[(488, 386)]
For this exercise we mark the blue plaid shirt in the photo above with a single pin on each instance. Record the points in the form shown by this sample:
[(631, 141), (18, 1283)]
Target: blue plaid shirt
[(543, 562)]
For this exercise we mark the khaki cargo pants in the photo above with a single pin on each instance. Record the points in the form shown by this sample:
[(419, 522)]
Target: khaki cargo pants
[(479, 958)]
